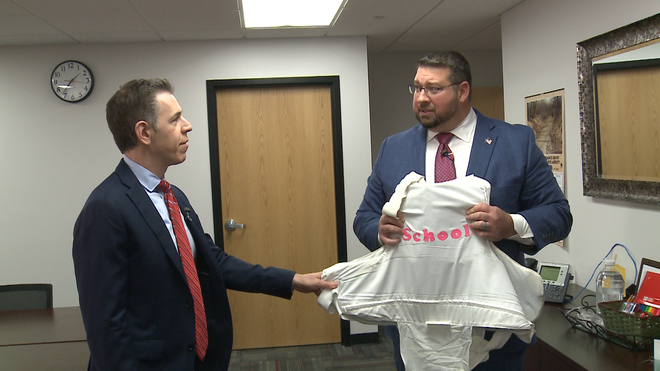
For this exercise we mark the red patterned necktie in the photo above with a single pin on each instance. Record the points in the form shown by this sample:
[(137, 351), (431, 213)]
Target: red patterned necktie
[(444, 159), (201, 331)]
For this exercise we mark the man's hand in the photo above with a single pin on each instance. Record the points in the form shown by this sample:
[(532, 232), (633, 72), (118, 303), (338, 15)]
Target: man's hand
[(312, 282), (390, 229), (490, 222)]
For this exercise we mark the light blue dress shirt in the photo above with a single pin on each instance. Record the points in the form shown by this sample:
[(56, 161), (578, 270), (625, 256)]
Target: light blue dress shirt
[(149, 182)]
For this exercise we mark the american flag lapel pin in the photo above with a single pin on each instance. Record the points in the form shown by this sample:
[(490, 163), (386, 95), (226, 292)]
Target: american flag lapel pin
[(489, 141)]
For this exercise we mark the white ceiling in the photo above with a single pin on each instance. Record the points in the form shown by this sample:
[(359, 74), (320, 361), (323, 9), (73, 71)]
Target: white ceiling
[(390, 25)]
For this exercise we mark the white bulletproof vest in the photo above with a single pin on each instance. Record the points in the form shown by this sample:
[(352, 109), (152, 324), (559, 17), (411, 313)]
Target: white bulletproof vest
[(441, 285)]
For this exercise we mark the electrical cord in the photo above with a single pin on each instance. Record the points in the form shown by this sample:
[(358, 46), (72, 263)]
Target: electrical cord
[(601, 262)]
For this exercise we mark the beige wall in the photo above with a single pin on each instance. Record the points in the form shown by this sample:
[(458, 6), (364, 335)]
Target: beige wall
[(539, 55), (70, 147)]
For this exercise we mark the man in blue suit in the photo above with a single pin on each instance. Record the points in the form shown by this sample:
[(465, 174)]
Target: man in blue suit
[(527, 210), (135, 298)]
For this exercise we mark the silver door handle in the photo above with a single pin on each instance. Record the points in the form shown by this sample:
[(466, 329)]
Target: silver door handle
[(231, 224)]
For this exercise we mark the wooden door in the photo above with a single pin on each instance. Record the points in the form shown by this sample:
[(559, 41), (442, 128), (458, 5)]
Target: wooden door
[(277, 178), (489, 101)]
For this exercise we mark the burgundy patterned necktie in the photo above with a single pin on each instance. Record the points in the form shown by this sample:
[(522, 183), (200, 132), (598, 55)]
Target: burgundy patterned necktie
[(201, 331), (444, 159)]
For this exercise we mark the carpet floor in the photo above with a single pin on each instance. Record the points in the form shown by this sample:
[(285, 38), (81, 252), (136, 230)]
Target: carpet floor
[(324, 357)]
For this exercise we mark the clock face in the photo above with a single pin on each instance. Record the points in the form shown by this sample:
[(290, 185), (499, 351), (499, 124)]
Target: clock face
[(72, 81)]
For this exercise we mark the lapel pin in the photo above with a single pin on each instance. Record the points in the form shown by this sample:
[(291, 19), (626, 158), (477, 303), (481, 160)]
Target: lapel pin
[(489, 141)]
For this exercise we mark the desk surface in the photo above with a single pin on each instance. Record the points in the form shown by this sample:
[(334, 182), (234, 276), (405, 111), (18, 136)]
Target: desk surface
[(67, 356), (39, 326), (580, 347), (45, 331)]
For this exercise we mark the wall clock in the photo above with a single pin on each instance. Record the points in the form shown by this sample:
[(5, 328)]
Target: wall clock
[(72, 81)]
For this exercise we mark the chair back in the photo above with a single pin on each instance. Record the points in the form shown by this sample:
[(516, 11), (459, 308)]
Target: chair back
[(26, 296)]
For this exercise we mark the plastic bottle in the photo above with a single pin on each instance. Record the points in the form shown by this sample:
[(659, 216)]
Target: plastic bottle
[(609, 284)]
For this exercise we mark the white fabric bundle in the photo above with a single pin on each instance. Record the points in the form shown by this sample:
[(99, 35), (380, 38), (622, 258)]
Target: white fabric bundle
[(442, 285)]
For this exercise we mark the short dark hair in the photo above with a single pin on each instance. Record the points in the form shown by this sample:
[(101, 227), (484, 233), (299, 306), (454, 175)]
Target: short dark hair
[(458, 65), (134, 101)]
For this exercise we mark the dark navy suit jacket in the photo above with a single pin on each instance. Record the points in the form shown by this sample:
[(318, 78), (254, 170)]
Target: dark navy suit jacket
[(506, 155), (135, 302)]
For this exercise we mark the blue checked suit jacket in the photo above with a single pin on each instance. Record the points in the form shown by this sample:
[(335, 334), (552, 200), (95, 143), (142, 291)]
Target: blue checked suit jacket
[(506, 155)]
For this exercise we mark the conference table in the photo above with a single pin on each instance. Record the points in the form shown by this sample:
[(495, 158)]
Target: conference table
[(55, 340), (43, 339)]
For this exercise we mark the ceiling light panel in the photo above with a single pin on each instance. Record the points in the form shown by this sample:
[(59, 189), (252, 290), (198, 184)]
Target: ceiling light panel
[(289, 13)]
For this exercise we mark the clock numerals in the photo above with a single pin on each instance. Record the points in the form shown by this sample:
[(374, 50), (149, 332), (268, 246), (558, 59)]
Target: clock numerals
[(72, 81)]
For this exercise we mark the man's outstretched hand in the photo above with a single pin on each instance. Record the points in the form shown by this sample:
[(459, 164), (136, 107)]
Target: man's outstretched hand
[(312, 282)]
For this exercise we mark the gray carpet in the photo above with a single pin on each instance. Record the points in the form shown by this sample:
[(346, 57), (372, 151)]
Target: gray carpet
[(324, 357)]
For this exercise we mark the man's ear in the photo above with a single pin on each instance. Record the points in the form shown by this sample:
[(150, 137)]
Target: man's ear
[(464, 91), (143, 132)]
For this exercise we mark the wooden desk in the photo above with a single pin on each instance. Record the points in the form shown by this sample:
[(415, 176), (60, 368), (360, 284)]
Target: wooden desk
[(43, 339), (40, 326), (68, 356), (562, 347)]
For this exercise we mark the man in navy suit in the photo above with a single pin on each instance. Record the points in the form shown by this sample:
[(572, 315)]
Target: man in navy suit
[(527, 210), (136, 304)]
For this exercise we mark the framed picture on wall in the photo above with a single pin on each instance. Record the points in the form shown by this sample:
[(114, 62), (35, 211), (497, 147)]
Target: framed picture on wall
[(545, 115)]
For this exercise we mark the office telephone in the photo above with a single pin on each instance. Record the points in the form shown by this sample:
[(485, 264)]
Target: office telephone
[(555, 280)]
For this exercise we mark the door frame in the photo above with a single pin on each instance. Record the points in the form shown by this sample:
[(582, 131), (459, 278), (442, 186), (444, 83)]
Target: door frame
[(212, 86)]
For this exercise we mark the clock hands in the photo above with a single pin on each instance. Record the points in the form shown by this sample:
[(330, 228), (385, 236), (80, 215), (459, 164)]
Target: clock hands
[(71, 81)]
